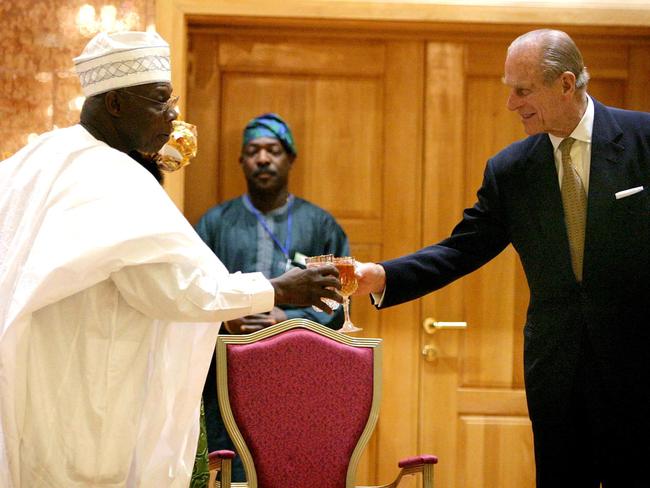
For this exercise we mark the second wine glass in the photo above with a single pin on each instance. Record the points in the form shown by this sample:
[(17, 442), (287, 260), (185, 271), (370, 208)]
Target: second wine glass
[(349, 284)]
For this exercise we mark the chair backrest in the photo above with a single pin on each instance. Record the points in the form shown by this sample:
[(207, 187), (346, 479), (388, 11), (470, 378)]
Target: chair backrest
[(300, 402)]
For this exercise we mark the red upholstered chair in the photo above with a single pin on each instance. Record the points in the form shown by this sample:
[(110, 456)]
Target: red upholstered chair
[(300, 402)]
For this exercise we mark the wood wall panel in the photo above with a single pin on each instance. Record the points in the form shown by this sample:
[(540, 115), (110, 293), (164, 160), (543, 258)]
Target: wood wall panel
[(337, 120), (344, 144), (491, 309), (401, 208), (245, 96), (363, 231), (607, 91), (203, 109), (637, 93), (488, 347), (361, 58), (443, 175), (604, 62), (486, 59), (393, 137), (492, 401), (495, 452)]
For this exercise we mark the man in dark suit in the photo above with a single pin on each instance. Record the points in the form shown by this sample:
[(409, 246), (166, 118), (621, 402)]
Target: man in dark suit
[(573, 200)]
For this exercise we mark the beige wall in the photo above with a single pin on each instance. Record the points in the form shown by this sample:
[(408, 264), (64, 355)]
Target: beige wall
[(39, 38)]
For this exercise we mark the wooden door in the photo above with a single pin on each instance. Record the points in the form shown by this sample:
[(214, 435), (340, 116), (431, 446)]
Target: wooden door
[(473, 412), (392, 137), (355, 108)]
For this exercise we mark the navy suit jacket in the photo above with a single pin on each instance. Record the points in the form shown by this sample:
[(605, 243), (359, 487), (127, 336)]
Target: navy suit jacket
[(519, 203)]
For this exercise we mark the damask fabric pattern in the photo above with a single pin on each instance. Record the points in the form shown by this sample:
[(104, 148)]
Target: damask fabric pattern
[(316, 394), (574, 201), (201, 471)]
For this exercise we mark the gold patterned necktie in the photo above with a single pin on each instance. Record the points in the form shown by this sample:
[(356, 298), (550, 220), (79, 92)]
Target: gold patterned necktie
[(574, 200)]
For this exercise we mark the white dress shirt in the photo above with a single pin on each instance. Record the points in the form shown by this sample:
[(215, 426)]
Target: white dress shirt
[(581, 149)]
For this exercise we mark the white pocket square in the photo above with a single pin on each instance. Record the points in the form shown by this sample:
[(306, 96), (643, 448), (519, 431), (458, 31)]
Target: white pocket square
[(627, 193)]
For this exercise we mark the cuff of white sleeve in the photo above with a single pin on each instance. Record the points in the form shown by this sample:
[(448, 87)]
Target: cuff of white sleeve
[(258, 288)]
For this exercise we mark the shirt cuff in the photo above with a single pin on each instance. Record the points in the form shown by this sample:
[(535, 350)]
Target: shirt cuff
[(378, 298), (257, 287)]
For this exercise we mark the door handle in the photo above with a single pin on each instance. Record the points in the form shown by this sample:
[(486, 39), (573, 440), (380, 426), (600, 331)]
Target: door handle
[(431, 326)]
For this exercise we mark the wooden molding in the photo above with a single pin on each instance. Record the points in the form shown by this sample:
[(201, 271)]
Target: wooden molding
[(399, 17)]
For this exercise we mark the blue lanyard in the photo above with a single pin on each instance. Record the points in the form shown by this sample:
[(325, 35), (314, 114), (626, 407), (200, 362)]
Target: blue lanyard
[(287, 244)]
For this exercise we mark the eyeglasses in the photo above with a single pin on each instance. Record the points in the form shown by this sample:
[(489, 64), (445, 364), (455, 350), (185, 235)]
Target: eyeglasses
[(169, 104)]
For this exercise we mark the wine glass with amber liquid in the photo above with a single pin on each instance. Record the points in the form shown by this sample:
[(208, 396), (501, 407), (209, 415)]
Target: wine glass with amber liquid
[(349, 284), (315, 261)]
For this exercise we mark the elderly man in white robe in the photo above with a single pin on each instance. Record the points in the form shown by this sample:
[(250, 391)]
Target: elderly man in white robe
[(110, 303)]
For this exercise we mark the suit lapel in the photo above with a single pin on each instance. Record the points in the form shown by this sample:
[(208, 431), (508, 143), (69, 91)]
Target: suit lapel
[(607, 175), (545, 202)]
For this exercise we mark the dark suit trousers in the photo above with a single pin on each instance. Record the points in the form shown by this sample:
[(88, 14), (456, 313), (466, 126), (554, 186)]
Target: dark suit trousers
[(599, 441)]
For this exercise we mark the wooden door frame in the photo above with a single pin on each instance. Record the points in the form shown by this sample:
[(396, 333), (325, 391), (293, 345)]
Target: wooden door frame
[(174, 16)]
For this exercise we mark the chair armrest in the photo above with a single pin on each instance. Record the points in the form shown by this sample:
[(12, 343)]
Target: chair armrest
[(414, 461), (412, 465), (418, 464), (220, 461), (216, 456)]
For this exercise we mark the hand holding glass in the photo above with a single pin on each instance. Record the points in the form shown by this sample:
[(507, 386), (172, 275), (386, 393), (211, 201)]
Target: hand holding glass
[(315, 261)]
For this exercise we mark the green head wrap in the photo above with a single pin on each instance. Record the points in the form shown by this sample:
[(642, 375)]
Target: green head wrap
[(270, 125)]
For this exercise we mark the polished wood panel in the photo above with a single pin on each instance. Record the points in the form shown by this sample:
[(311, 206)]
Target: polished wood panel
[(340, 58), (247, 95), (339, 118), (495, 452), (414, 125), (492, 401), (443, 176), (627, 22), (201, 178), (490, 357), (637, 95), (401, 203)]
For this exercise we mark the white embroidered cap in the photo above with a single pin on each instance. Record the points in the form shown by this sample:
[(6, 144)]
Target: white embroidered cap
[(122, 59)]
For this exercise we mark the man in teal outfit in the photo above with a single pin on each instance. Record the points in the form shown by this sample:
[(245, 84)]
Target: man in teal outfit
[(267, 230)]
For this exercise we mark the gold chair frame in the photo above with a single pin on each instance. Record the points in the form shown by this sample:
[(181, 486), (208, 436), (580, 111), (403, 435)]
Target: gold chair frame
[(224, 401)]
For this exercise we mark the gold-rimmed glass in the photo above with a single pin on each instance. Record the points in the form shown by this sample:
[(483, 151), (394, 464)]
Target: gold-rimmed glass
[(349, 285), (314, 261), (167, 105)]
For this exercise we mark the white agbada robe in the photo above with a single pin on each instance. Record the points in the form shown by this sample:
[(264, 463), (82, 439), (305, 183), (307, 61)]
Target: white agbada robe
[(110, 306)]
